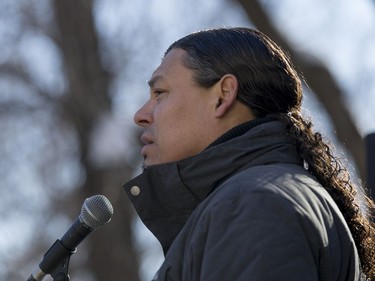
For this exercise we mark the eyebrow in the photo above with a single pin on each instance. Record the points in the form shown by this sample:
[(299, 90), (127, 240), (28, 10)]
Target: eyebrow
[(153, 80)]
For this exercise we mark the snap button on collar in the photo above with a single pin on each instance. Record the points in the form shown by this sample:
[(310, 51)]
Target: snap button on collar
[(135, 190)]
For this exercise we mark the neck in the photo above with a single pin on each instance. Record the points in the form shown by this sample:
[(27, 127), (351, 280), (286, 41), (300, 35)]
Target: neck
[(239, 130)]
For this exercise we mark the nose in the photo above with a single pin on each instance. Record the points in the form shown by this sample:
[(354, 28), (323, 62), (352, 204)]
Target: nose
[(143, 117)]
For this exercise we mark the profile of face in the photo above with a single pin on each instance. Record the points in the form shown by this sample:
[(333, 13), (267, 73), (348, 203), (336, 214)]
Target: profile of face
[(179, 114)]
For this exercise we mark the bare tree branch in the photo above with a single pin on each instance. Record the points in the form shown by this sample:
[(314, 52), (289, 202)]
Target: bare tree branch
[(32, 21), (15, 107), (18, 72)]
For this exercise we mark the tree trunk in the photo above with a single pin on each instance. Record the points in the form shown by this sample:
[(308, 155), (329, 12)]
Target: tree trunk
[(111, 255)]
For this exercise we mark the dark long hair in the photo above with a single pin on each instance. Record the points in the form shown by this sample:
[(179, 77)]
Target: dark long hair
[(270, 86)]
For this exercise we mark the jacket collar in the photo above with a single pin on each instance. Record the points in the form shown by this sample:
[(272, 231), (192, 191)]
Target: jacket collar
[(170, 192)]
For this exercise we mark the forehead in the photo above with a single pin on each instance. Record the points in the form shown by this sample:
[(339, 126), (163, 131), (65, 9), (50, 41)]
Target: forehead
[(171, 68)]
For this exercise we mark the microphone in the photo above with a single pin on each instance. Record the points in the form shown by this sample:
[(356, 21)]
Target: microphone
[(95, 212)]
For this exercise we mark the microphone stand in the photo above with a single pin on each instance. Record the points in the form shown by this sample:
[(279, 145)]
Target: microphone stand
[(61, 273), (57, 266)]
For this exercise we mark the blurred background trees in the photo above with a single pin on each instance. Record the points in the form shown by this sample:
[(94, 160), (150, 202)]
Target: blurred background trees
[(72, 74)]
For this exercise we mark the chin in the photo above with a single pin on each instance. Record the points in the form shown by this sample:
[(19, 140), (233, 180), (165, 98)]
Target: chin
[(144, 167), (146, 163)]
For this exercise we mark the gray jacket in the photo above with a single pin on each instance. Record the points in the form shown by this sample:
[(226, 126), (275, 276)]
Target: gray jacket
[(245, 209)]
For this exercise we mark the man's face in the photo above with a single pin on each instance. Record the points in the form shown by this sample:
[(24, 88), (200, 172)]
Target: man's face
[(178, 118)]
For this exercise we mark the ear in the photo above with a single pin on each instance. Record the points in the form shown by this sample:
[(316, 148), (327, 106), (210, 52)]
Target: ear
[(227, 94)]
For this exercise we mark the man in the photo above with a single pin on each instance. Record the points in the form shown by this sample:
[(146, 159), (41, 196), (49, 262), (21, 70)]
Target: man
[(236, 186)]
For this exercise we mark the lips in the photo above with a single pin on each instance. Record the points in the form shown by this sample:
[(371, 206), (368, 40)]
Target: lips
[(147, 141)]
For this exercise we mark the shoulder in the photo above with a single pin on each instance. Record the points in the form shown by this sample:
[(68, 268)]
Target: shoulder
[(279, 181), (278, 193)]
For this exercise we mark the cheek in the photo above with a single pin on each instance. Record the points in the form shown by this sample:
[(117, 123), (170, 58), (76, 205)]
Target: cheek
[(178, 142), (166, 125), (170, 113), (177, 130), (174, 140)]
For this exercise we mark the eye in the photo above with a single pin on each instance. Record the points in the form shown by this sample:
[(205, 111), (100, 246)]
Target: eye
[(158, 93)]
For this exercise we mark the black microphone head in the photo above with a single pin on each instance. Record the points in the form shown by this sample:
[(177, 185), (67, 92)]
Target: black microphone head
[(96, 211)]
